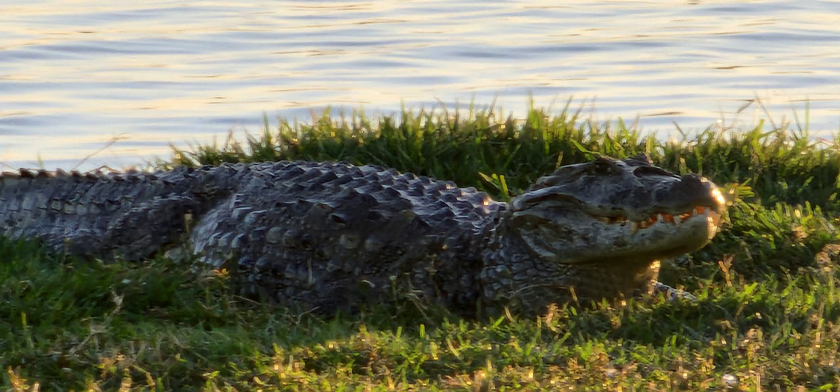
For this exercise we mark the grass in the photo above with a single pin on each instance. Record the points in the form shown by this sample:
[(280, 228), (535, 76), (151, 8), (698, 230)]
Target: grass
[(766, 317)]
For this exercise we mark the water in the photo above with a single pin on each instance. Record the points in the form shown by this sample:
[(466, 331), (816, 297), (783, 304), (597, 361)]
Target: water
[(77, 74)]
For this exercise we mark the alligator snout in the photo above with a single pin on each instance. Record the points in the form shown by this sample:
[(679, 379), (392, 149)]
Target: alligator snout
[(691, 191)]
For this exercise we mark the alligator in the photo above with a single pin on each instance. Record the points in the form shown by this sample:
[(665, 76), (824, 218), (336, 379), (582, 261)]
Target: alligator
[(329, 236)]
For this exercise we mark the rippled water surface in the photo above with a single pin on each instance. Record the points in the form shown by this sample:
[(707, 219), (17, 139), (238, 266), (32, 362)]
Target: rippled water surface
[(75, 74)]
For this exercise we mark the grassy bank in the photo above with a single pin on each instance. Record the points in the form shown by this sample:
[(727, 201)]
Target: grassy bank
[(766, 318)]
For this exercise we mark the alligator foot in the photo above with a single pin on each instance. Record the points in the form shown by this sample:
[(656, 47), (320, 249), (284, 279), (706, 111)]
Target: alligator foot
[(672, 294)]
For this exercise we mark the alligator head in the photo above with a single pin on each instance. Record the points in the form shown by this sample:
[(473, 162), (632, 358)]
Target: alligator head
[(599, 229)]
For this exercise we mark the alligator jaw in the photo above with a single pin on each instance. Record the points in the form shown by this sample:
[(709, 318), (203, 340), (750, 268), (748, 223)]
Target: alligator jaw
[(600, 239), (675, 233)]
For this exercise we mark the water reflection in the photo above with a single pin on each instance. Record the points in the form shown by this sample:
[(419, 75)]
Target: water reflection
[(74, 75)]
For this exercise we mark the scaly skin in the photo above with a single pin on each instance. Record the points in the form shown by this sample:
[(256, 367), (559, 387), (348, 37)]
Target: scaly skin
[(332, 235)]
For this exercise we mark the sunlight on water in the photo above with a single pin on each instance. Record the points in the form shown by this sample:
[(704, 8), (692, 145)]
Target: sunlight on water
[(74, 75)]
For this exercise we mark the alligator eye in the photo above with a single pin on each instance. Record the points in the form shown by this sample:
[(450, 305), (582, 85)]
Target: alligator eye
[(602, 168)]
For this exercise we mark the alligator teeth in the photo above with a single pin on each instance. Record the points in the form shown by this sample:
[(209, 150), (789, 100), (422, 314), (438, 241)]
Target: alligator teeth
[(655, 218)]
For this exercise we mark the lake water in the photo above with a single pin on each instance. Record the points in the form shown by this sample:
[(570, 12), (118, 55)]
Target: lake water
[(76, 74)]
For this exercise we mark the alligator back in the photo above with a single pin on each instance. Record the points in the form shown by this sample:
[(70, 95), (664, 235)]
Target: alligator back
[(332, 234), (308, 232)]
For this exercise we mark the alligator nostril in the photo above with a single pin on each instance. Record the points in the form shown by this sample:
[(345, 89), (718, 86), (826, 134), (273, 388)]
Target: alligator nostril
[(694, 182)]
